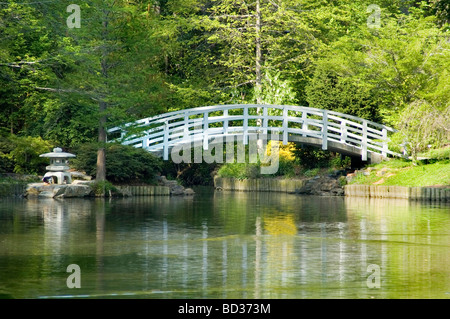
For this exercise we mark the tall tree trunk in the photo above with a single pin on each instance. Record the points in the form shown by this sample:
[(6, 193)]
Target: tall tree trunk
[(258, 83), (101, 155), (258, 53)]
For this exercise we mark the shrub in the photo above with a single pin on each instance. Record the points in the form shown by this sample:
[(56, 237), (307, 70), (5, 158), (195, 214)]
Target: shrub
[(124, 164), (239, 170), (20, 154), (102, 187), (190, 173), (312, 157), (311, 172)]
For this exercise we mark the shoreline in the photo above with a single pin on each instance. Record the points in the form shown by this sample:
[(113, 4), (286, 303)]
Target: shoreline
[(290, 186), (428, 193)]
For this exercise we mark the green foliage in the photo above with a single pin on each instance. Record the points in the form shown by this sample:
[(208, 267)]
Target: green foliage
[(340, 162), (327, 90), (312, 157), (6, 146), (311, 172), (101, 188), (286, 168), (276, 90), (20, 154), (125, 164), (137, 60), (190, 173), (438, 154), (239, 170), (423, 127)]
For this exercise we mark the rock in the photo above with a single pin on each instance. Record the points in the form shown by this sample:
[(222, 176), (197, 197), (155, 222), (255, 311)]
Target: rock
[(350, 177), (77, 191), (78, 176), (322, 186), (33, 189), (59, 190), (383, 171), (337, 173), (337, 191), (82, 182), (46, 194), (189, 191), (177, 190)]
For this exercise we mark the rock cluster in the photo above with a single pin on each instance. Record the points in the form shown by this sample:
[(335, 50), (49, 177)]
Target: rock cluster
[(175, 188), (331, 185), (384, 172), (58, 191)]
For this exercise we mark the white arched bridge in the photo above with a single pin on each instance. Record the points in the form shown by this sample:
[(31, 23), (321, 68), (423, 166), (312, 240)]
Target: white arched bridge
[(329, 130)]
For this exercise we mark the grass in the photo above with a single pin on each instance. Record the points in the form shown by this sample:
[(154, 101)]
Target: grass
[(426, 175), (404, 173), (439, 154)]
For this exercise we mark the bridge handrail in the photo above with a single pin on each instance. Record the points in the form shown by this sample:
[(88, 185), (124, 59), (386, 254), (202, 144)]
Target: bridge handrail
[(168, 129)]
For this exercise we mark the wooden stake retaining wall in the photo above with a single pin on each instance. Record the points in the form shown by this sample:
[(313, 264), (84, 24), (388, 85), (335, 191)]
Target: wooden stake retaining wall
[(259, 184), (373, 191), (146, 190), (12, 189), (412, 193)]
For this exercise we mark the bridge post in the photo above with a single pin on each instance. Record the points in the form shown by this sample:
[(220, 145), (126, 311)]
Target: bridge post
[(205, 130), (225, 122), (245, 124), (385, 143), (364, 141), (285, 125), (325, 130), (343, 131), (166, 141), (145, 143), (265, 120), (304, 122), (186, 128)]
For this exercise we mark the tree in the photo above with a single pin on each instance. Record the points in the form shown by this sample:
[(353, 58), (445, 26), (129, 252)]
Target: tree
[(422, 126), (25, 53), (384, 69), (109, 71)]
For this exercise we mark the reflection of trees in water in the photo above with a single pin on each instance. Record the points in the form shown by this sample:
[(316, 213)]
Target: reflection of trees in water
[(280, 241), (409, 240), (231, 245)]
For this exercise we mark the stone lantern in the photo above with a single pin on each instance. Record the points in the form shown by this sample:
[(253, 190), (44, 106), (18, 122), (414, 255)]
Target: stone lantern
[(59, 166)]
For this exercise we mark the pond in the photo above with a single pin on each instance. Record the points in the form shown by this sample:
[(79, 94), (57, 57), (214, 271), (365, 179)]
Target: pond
[(224, 245)]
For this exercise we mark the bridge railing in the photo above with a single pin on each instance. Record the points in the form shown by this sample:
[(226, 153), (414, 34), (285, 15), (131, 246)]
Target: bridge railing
[(162, 132)]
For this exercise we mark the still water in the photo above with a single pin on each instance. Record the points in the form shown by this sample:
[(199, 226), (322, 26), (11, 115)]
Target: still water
[(225, 245)]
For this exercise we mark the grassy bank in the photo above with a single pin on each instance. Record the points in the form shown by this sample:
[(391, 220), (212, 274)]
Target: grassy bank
[(399, 172)]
